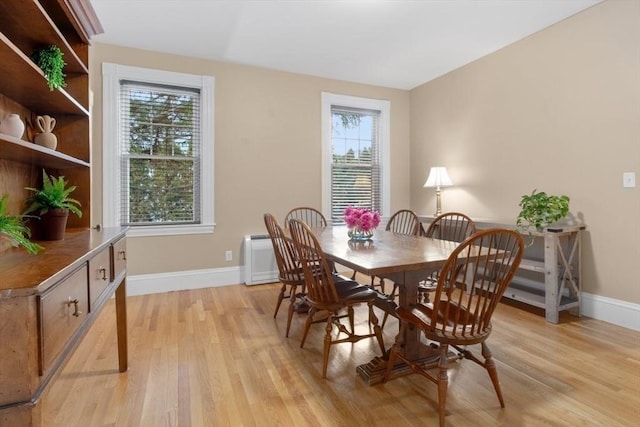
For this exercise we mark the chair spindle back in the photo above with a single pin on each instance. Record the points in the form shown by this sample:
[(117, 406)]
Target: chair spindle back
[(485, 264), (288, 265), (452, 226), (404, 222), (321, 289), (310, 216)]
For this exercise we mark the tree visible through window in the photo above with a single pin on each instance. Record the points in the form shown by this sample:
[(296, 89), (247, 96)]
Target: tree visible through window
[(355, 160), (160, 154)]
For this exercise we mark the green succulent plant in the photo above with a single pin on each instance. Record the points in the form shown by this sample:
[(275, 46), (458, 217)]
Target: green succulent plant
[(50, 60), (54, 194), (12, 227), (541, 209)]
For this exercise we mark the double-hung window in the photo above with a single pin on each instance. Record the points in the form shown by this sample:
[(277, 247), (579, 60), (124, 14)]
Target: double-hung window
[(355, 134), (158, 148)]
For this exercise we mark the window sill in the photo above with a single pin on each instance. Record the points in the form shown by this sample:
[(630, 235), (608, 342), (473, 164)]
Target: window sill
[(169, 230)]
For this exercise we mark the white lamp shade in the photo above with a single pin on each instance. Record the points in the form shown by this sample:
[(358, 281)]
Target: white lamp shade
[(438, 177)]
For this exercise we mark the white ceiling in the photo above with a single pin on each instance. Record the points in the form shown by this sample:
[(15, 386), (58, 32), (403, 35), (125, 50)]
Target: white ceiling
[(393, 43)]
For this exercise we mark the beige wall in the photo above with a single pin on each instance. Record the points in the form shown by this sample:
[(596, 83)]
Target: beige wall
[(558, 111), (267, 152)]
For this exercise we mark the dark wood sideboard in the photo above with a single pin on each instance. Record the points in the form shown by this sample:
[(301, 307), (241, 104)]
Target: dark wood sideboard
[(47, 304), (49, 301)]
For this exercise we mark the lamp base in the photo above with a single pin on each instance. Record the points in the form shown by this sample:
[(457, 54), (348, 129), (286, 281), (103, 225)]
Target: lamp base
[(438, 205)]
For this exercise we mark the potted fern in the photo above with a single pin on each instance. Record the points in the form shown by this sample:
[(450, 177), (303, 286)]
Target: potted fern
[(53, 204), (540, 209), (13, 229), (50, 61)]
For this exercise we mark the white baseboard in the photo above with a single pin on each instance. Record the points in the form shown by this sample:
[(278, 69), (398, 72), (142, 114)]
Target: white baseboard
[(143, 284), (609, 310)]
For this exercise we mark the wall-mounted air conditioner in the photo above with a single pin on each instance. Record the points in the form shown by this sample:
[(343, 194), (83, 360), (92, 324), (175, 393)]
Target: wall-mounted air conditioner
[(259, 260)]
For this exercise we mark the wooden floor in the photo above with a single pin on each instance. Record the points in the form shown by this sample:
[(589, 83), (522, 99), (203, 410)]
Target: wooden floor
[(216, 357)]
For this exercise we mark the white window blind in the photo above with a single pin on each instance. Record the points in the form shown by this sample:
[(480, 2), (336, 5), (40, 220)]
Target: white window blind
[(356, 165), (160, 154)]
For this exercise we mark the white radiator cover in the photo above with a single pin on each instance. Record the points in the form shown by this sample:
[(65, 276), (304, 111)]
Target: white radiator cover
[(259, 260)]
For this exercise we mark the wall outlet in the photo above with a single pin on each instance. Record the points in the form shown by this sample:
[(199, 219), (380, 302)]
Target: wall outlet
[(228, 255)]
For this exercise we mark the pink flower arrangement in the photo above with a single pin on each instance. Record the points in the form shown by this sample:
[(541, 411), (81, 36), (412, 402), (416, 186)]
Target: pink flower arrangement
[(361, 219)]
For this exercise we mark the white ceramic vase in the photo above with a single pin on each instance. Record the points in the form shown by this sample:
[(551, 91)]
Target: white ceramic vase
[(12, 125)]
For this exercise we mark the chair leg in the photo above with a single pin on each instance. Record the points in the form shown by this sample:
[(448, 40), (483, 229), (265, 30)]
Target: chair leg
[(391, 296), (307, 325), (327, 344), (351, 320), (283, 289), (291, 309), (493, 372), (290, 316), (384, 319), (376, 328), (443, 382)]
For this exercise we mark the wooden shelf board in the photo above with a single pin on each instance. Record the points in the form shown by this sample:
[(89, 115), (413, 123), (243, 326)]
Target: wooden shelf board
[(533, 299), (532, 265), (42, 31), (17, 150), (25, 83), (534, 295)]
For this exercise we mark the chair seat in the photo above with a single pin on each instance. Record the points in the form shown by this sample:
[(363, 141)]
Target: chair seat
[(420, 315), (349, 292), (354, 292)]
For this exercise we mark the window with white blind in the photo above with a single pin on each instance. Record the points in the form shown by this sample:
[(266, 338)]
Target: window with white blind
[(355, 134), (158, 151)]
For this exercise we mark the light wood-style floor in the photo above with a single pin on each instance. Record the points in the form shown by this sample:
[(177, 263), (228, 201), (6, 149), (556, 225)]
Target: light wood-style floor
[(216, 357)]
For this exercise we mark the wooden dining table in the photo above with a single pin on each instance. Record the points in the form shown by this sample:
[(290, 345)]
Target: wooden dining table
[(406, 260)]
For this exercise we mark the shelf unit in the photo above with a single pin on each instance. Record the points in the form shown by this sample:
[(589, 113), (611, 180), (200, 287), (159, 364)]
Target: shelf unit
[(560, 286), (49, 301), (550, 274)]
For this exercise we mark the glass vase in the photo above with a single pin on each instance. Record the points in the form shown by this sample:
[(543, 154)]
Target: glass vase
[(358, 235)]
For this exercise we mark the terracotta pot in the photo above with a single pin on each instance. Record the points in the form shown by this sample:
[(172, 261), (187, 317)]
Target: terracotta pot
[(53, 224), (46, 139)]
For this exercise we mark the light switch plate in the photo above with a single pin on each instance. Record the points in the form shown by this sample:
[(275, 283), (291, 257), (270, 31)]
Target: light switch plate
[(629, 180)]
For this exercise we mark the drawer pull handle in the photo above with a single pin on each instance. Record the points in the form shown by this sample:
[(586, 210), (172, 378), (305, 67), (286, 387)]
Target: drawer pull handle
[(123, 255), (75, 303), (103, 273)]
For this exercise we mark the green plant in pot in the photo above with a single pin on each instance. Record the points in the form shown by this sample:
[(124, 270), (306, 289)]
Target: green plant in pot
[(540, 209), (50, 61), (13, 229), (53, 204)]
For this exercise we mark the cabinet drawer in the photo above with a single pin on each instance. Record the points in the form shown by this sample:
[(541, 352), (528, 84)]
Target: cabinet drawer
[(99, 275), (63, 308), (119, 249)]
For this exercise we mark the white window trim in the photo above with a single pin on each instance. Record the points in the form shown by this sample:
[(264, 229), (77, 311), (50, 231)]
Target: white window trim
[(329, 99), (112, 74)]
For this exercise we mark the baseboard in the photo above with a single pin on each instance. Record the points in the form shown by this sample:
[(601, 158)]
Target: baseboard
[(611, 310), (143, 284)]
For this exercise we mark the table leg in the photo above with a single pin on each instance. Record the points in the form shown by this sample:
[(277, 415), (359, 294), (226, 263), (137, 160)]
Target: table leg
[(374, 371)]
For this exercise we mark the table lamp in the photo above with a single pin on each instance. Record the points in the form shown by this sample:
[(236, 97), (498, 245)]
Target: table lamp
[(438, 177)]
